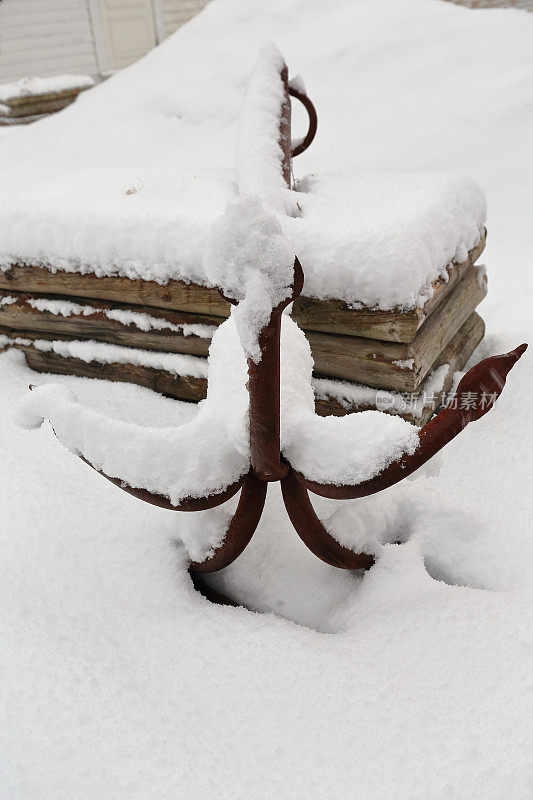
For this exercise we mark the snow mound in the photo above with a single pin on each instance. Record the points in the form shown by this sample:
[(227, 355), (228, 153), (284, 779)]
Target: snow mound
[(248, 254), (86, 221), (382, 239), (259, 155)]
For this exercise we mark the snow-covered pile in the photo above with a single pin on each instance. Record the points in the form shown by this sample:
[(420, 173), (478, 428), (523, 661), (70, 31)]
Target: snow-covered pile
[(259, 155), (379, 239), (89, 221), (42, 86), (382, 239)]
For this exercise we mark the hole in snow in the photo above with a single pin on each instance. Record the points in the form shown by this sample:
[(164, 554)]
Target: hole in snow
[(277, 574), (318, 605), (209, 592), (440, 572)]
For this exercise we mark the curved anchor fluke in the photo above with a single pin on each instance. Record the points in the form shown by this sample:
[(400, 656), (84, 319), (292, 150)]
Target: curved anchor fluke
[(241, 528), (476, 394), (162, 501), (312, 532)]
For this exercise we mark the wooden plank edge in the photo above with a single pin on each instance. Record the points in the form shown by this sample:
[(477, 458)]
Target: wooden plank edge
[(327, 316), (335, 316), (398, 366), (110, 323), (36, 109), (193, 389), (178, 387), (386, 365), (417, 407), (44, 97)]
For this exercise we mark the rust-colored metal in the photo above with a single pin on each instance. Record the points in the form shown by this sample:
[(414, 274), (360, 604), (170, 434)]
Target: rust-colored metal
[(160, 500), (289, 149), (477, 392), (241, 528), (304, 143), (481, 385), (264, 392), (312, 532), (285, 128)]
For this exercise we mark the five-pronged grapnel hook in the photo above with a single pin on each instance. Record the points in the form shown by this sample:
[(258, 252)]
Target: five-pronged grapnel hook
[(484, 384)]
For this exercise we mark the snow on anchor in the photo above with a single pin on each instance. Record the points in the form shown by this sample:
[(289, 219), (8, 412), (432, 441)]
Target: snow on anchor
[(258, 424)]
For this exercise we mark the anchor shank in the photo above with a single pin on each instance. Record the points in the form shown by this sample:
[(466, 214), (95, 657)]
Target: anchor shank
[(264, 391)]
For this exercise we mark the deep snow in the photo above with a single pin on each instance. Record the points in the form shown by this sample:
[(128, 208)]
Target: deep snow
[(119, 681)]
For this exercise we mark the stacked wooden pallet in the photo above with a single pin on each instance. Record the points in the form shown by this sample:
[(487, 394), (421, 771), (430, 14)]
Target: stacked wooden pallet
[(31, 99), (106, 279), (364, 358)]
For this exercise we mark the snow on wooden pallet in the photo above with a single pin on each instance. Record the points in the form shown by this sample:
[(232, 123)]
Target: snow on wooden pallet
[(32, 98), (158, 299), (32, 91), (326, 316), (343, 397)]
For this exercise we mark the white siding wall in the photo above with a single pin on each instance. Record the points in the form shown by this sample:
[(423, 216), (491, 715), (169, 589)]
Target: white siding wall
[(45, 37), (178, 12)]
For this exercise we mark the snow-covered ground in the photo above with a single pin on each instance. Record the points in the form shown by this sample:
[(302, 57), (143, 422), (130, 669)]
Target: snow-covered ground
[(117, 679)]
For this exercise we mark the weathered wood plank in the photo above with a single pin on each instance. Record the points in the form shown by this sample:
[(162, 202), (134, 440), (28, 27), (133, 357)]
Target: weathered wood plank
[(176, 295), (21, 316), (440, 328), (444, 286), (25, 100), (36, 108), (327, 316), (398, 366), (456, 354), (334, 316), (387, 365), (180, 387)]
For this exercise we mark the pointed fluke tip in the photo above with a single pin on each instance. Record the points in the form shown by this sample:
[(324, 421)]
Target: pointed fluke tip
[(518, 351), (503, 364)]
